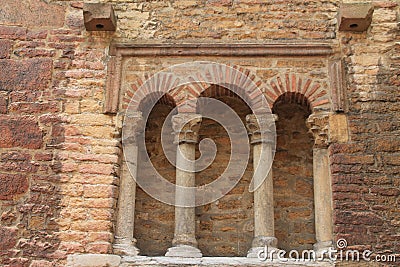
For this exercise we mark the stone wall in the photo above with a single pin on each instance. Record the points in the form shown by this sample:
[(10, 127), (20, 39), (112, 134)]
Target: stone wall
[(364, 171), (60, 155)]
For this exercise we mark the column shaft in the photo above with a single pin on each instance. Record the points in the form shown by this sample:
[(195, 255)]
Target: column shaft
[(264, 195), (323, 198), (124, 243), (186, 127), (184, 216), (262, 134), (319, 127)]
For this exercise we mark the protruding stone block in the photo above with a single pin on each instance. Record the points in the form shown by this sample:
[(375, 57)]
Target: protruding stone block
[(99, 17), (338, 128), (355, 16)]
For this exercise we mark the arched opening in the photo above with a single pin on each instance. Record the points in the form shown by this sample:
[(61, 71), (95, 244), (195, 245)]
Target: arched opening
[(293, 174), (154, 220), (224, 227)]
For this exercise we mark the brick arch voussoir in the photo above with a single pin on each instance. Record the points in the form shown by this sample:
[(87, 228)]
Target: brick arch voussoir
[(298, 85), (146, 85), (239, 77), (185, 96)]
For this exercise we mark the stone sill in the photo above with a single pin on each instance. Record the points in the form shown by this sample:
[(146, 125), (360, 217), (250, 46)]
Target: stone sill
[(97, 260), (214, 261)]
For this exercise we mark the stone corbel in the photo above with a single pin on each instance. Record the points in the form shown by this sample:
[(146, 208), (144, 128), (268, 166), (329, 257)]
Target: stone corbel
[(355, 17), (99, 17)]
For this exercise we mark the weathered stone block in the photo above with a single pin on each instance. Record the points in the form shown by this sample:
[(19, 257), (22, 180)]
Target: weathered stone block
[(3, 102), (355, 17), (20, 132), (338, 128), (10, 186), (30, 74), (33, 13), (99, 17), (5, 48), (8, 238), (12, 32)]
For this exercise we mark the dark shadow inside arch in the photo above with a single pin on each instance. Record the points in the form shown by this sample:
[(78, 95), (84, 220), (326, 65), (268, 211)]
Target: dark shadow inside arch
[(224, 227), (154, 220), (148, 103), (293, 174)]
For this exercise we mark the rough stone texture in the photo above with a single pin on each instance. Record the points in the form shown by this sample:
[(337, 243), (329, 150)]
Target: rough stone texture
[(5, 48), (52, 80), (33, 13), (227, 20), (29, 75), (20, 132), (12, 185)]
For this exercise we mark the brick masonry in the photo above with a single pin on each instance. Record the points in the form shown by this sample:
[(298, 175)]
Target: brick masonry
[(60, 155), (293, 180)]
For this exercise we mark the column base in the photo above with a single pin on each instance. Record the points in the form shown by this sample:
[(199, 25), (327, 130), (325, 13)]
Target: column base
[(263, 253), (323, 247), (262, 244), (184, 251), (125, 247)]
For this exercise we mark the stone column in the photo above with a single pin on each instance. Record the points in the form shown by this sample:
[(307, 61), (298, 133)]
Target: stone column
[(186, 127), (318, 125), (262, 138), (125, 243)]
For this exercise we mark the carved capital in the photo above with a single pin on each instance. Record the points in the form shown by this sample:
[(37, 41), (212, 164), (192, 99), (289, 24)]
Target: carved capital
[(318, 125), (186, 127), (132, 128), (261, 128)]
